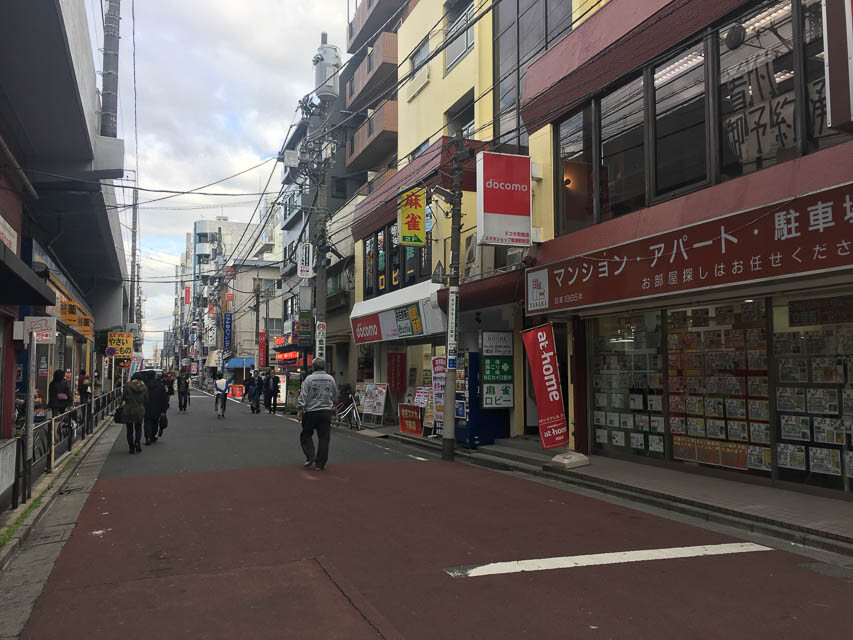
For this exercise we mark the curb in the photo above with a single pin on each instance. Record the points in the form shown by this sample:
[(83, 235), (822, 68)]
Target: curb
[(783, 531), (8, 550)]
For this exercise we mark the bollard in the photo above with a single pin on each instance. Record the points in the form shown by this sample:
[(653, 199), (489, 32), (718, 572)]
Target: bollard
[(50, 460)]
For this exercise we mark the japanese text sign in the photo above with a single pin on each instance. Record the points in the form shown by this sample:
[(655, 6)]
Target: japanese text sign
[(504, 199), (43, 326), (122, 342), (262, 348), (227, 331), (410, 418), (542, 356), (412, 222), (813, 233), (306, 261), (497, 372), (186, 295)]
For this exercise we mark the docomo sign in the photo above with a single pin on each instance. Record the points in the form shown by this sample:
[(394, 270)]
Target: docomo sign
[(375, 327), (541, 354), (504, 199)]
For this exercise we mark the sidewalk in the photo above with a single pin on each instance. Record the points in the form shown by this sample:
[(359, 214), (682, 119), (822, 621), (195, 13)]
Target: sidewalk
[(799, 517)]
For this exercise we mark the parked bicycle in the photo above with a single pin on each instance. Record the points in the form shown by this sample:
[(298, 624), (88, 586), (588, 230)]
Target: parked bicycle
[(346, 414)]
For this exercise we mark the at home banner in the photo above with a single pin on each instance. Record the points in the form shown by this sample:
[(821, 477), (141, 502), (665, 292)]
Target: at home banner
[(542, 356)]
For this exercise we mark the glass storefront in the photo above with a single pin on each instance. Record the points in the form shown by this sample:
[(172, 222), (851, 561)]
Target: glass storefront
[(721, 384)]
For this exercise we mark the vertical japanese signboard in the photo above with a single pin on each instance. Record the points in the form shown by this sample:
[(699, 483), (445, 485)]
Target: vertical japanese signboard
[(262, 349), (227, 331), (320, 343), (439, 373), (306, 329), (306, 262), (412, 221), (186, 295), (497, 388), (542, 356), (810, 234), (504, 199), (452, 326)]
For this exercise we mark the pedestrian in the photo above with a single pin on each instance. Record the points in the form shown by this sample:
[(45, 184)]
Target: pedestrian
[(58, 393), (169, 384), (156, 405), (220, 388), (83, 387), (134, 397), (314, 409), (253, 387), (267, 391), (183, 392), (275, 387)]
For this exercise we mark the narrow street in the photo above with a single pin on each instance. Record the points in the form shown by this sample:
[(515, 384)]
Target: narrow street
[(217, 531)]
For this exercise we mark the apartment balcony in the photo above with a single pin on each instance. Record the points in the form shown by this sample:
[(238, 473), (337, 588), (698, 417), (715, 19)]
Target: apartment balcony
[(375, 74), (374, 140), (369, 17)]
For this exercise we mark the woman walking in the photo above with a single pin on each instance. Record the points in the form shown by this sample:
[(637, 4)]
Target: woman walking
[(58, 393), (134, 397)]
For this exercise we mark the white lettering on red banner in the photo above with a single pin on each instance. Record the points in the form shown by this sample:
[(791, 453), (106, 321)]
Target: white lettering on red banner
[(504, 202), (542, 356), (809, 234)]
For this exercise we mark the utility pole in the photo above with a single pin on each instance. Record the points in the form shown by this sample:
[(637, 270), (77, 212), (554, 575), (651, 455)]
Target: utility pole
[(133, 276), (109, 92), (257, 310), (267, 328), (448, 439)]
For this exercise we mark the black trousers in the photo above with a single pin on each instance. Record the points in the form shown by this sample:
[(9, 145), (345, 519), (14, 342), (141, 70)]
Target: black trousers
[(134, 433), (183, 396), (267, 399), (274, 402), (151, 428), (321, 421)]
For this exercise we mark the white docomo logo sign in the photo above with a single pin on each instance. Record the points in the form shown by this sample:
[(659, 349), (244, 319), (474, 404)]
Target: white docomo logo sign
[(505, 186), (367, 331)]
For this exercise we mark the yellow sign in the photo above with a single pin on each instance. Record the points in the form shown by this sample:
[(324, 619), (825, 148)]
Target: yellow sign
[(413, 217), (123, 343)]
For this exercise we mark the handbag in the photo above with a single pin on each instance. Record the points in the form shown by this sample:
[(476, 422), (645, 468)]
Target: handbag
[(163, 422), (117, 416), (62, 396)]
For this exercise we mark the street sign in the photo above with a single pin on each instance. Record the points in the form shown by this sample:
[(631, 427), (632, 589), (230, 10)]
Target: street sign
[(123, 343), (320, 347), (110, 351), (306, 263)]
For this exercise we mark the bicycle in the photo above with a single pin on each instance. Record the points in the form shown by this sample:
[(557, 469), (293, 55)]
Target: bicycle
[(346, 413)]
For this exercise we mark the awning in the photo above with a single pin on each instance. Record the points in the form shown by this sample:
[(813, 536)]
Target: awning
[(212, 357), (21, 285), (503, 288), (240, 363), (411, 312)]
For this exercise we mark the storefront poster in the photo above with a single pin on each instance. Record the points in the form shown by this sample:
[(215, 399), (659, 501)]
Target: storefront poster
[(793, 370), (791, 399), (828, 370), (683, 448), (396, 372), (837, 310), (751, 246), (795, 427), (828, 430), (733, 455), (410, 419), (439, 373), (618, 438), (360, 388), (826, 461), (601, 436), (737, 430), (847, 398), (759, 432), (638, 441), (422, 396), (791, 456), (655, 444), (758, 458), (823, 401), (504, 199), (542, 356)]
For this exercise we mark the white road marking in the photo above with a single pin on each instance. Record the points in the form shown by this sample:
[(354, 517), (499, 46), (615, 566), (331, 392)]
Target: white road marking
[(418, 458), (591, 560)]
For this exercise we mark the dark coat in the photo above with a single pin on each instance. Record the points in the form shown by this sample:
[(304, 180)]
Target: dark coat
[(170, 386), (54, 389), (134, 398), (157, 402), (183, 384)]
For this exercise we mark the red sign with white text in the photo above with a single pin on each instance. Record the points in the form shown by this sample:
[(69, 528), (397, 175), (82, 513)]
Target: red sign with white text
[(810, 234), (186, 295), (542, 357), (262, 349), (410, 419), (504, 201)]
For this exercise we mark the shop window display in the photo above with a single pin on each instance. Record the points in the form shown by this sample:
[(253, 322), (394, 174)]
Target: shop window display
[(813, 345), (628, 384), (717, 385)]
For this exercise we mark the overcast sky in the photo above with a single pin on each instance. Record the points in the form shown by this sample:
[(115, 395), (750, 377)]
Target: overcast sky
[(217, 85)]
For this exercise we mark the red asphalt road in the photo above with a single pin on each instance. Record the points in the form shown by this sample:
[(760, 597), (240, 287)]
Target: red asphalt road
[(361, 549)]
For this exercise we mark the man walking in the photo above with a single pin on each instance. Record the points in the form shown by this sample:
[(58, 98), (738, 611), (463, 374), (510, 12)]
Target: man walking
[(183, 391), (274, 390), (314, 408), (220, 388), (155, 406)]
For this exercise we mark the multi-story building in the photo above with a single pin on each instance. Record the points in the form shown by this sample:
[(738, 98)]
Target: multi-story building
[(696, 207)]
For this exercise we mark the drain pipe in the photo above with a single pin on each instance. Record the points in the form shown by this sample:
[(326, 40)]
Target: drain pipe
[(8, 153)]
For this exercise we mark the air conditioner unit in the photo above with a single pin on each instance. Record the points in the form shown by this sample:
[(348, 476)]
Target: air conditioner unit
[(418, 82)]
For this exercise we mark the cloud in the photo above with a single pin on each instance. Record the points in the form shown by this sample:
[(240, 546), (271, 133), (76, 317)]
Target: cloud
[(217, 86)]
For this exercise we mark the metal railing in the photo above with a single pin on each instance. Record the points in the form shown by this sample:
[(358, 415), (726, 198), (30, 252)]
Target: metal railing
[(54, 438)]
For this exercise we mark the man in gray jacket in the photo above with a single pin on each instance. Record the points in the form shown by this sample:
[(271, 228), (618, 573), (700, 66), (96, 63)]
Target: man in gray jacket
[(314, 408)]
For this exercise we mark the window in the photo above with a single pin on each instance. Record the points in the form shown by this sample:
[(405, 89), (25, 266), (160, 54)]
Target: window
[(680, 145), (202, 238), (423, 146), (370, 60), (576, 173), (381, 265), (350, 87), (396, 275), (339, 187), (757, 90), (623, 179), (818, 135), (459, 36), (369, 266), (460, 117), (420, 55), (396, 265)]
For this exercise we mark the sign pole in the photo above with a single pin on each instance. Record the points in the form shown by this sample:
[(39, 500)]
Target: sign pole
[(28, 442)]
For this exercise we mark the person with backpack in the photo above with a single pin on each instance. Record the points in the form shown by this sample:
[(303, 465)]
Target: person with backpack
[(134, 397), (220, 389)]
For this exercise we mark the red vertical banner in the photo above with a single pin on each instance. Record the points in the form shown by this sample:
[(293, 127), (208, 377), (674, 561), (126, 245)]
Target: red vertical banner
[(410, 419), (397, 372), (186, 295), (262, 348), (542, 356)]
